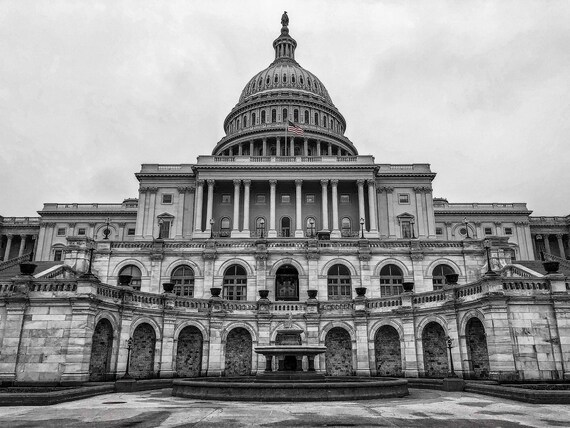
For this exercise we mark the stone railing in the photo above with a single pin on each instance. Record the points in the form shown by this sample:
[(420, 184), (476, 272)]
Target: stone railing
[(469, 290), (288, 307), (109, 291), (384, 304), (20, 221), (526, 284), (429, 297), (53, 286), (553, 258), (276, 160), (15, 261)]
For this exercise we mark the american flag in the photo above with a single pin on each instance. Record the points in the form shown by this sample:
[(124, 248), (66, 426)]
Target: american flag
[(295, 129)]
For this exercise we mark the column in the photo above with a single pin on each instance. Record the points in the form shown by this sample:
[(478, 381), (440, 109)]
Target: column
[(240, 149), (546, 239), (23, 245), (318, 147), (121, 236), (329, 152), (335, 229), (535, 248), (448, 230), (246, 185), (140, 213), (430, 212), (278, 147), (391, 218), (251, 147), (372, 206), (361, 213), (298, 211), (560, 245), (478, 231), (306, 146), (149, 230), (325, 204), (292, 144), (210, 204), (420, 222), (199, 203), (235, 222), (264, 147), (180, 213), (189, 212), (382, 212), (272, 232), (8, 246)]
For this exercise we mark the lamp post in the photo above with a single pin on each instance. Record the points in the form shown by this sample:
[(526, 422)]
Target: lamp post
[(211, 228), (490, 271), (129, 347), (362, 227), (312, 226), (262, 224), (107, 231), (449, 343), (466, 223)]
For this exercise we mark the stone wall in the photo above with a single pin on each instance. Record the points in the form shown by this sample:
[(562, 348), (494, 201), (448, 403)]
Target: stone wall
[(477, 348), (238, 352), (388, 353), (338, 356), (142, 354), (101, 347), (189, 352), (435, 351)]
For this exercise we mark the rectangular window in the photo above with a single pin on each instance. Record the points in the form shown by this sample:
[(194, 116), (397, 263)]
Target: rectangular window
[(439, 231), (403, 198), (57, 255), (260, 199), (310, 198), (81, 231), (131, 231), (285, 199), (167, 198), (226, 199), (164, 231), (345, 199), (61, 231), (406, 230), (488, 231), (508, 231)]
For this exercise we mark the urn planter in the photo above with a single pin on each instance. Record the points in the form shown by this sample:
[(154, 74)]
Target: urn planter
[(452, 278), (125, 279), (215, 291), (168, 287), (312, 294), (408, 287), (360, 291), (263, 294), (27, 268), (551, 267)]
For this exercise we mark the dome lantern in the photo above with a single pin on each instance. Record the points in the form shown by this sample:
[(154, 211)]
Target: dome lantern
[(284, 45)]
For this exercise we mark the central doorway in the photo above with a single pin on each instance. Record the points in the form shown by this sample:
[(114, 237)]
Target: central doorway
[(287, 284)]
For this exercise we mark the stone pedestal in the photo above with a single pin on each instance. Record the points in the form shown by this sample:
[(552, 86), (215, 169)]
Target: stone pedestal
[(126, 385), (453, 384)]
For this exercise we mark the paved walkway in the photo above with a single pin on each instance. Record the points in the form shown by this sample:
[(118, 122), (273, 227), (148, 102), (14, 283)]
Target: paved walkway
[(158, 408)]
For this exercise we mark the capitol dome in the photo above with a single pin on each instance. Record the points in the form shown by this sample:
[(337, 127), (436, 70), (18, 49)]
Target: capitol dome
[(281, 93)]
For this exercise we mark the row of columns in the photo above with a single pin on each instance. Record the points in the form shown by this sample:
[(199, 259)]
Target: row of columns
[(9, 240), (545, 237), (298, 205), (288, 149)]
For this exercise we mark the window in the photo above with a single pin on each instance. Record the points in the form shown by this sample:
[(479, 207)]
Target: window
[(310, 227), (295, 115), (260, 199), (58, 255), (131, 231), (183, 279), (316, 118), (488, 231), (164, 223), (306, 116), (135, 274), (345, 199), (285, 227), (225, 227), (167, 198), (285, 115), (253, 119), (403, 198), (338, 282), (81, 231), (439, 231), (245, 121), (406, 229), (262, 116), (391, 279), (285, 199), (235, 283), (508, 231), (273, 116), (438, 275), (260, 227), (310, 198), (61, 231), (226, 199), (345, 227), (276, 79), (284, 78), (293, 78)]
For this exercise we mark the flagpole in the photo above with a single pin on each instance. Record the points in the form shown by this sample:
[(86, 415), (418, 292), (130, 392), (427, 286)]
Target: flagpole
[(286, 128)]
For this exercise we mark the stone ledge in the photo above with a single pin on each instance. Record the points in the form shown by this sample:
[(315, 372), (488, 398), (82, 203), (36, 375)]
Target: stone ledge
[(53, 397)]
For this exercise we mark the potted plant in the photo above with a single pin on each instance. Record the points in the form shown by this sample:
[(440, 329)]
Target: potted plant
[(168, 287), (215, 291), (551, 267), (452, 278), (263, 294), (312, 294), (125, 279), (27, 268), (360, 291), (408, 286)]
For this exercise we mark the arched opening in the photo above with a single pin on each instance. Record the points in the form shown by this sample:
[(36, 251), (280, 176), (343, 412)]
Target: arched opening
[(287, 283), (260, 225), (307, 116), (142, 354), (311, 227), (388, 352), (339, 283), (238, 352), (101, 348), (477, 348), (183, 279), (135, 274), (338, 356), (225, 227), (295, 115), (253, 117), (438, 275), (391, 279), (273, 116), (235, 283), (286, 227), (262, 116), (345, 227), (189, 352), (435, 350), (285, 115)]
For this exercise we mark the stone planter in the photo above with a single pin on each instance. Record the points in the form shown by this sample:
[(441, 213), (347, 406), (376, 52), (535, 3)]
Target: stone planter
[(125, 279), (263, 294), (215, 291), (27, 268), (408, 287), (452, 278), (360, 291), (312, 294), (168, 287), (551, 267)]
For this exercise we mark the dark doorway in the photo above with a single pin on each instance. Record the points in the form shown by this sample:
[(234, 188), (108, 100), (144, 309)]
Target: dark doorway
[(290, 363), (287, 283)]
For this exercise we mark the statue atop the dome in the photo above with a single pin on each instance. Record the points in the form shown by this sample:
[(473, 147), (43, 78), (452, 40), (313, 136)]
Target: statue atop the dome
[(284, 19)]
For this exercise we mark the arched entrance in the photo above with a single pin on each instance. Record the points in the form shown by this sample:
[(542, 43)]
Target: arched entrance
[(101, 348), (338, 356), (189, 352), (435, 350), (388, 352), (477, 348), (142, 354), (238, 352), (287, 283)]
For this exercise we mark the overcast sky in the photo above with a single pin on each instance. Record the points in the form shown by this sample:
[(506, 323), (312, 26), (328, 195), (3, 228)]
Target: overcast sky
[(89, 90)]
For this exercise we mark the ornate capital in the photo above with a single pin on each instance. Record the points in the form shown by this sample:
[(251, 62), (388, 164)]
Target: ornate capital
[(448, 224), (92, 224), (334, 183), (246, 183), (122, 224), (497, 223), (152, 189), (49, 224), (298, 182), (273, 182), (71, 224), (324, 182), (477, 223), (143, 189), (237, 182), (210, 182), (199, 183), (360, 183), (559, 235)]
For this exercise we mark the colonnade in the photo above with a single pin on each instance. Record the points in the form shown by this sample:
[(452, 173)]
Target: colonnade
[(545, 239), (10, 241), (285, 147)]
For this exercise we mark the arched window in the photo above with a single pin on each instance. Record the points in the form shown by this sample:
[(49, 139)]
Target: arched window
[(331, 124), (311, 227), (346, 227), (285, 227), (235, 283), (244, 121), (301, 80), (273, 116), (183, 279), (262, 116), (317, 119), (324, 121), (293, 78), (285, 115), (339, 284), (260, 82), (295, 115), (391, 279), (135, 274), (253, 119), (276, 78), (237, 125), (438, 275), (309, 81), (284, 78), (267, 80), (306, 116), (225, 227), (260, 227)]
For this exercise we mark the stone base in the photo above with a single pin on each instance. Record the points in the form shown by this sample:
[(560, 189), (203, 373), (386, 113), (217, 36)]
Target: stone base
[(126, 385), (453, 384)]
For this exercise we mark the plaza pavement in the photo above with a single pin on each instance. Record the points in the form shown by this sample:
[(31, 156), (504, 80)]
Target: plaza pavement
[(159, 409)]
